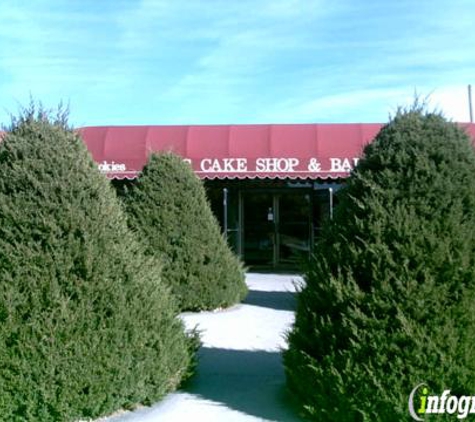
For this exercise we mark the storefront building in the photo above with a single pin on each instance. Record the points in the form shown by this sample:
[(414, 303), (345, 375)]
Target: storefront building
[(270, 186)]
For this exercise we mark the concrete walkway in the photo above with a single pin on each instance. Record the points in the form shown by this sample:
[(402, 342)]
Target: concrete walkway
[(240, 375)]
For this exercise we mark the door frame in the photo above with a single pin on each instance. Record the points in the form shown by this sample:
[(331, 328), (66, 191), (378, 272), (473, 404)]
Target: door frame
[(276, 194)]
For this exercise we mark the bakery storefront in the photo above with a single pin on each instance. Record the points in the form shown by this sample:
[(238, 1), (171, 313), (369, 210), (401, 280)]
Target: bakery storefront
[(270, 186)]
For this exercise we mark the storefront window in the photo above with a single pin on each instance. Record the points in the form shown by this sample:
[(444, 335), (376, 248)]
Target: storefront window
[(272, 223)]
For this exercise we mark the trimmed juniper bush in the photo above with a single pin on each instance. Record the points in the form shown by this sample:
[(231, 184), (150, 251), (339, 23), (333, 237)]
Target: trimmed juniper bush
[(389, 295), (169, 210), (86, 324)]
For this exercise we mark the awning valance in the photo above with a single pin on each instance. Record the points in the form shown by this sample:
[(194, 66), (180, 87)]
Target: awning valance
[(309, 151)]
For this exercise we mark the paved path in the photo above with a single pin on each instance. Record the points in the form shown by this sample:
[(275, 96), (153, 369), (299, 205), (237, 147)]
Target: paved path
[(240, 375)]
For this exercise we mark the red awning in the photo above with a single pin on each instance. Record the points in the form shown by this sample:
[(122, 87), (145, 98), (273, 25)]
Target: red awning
[(308, 151), (315, 151)]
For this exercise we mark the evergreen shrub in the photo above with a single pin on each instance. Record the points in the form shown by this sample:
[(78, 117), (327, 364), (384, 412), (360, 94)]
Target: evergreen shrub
[(86, 325), (389, 295), (169, 210)]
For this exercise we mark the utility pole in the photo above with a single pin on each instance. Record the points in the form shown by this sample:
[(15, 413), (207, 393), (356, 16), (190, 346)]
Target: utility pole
[(470, 103)]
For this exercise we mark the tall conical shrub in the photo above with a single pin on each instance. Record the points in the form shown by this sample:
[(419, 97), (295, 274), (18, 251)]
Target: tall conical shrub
[(389, 299), (86, 324), (169, 210)]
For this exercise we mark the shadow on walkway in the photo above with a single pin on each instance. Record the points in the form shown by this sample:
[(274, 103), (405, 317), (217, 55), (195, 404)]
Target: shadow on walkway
[(252, 382), (281, 301)]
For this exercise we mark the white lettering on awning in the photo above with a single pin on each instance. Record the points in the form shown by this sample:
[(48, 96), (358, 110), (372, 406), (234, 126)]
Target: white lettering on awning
[(110, 167), (223, 165), (276, 165), (271, 165), (340, 165)]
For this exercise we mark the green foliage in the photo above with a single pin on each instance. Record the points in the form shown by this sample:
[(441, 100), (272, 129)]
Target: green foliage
[(169, 210), (86, 325), (388, 301)]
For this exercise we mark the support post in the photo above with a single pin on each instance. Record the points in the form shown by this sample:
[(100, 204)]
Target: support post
[(225, 211), (330, 193)]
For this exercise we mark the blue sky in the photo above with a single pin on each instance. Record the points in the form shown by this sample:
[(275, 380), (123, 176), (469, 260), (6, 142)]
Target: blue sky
[(231, 62)]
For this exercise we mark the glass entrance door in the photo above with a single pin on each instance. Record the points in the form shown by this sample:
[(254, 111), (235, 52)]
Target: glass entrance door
[(294, 229), (259, 230), (276, 227)]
